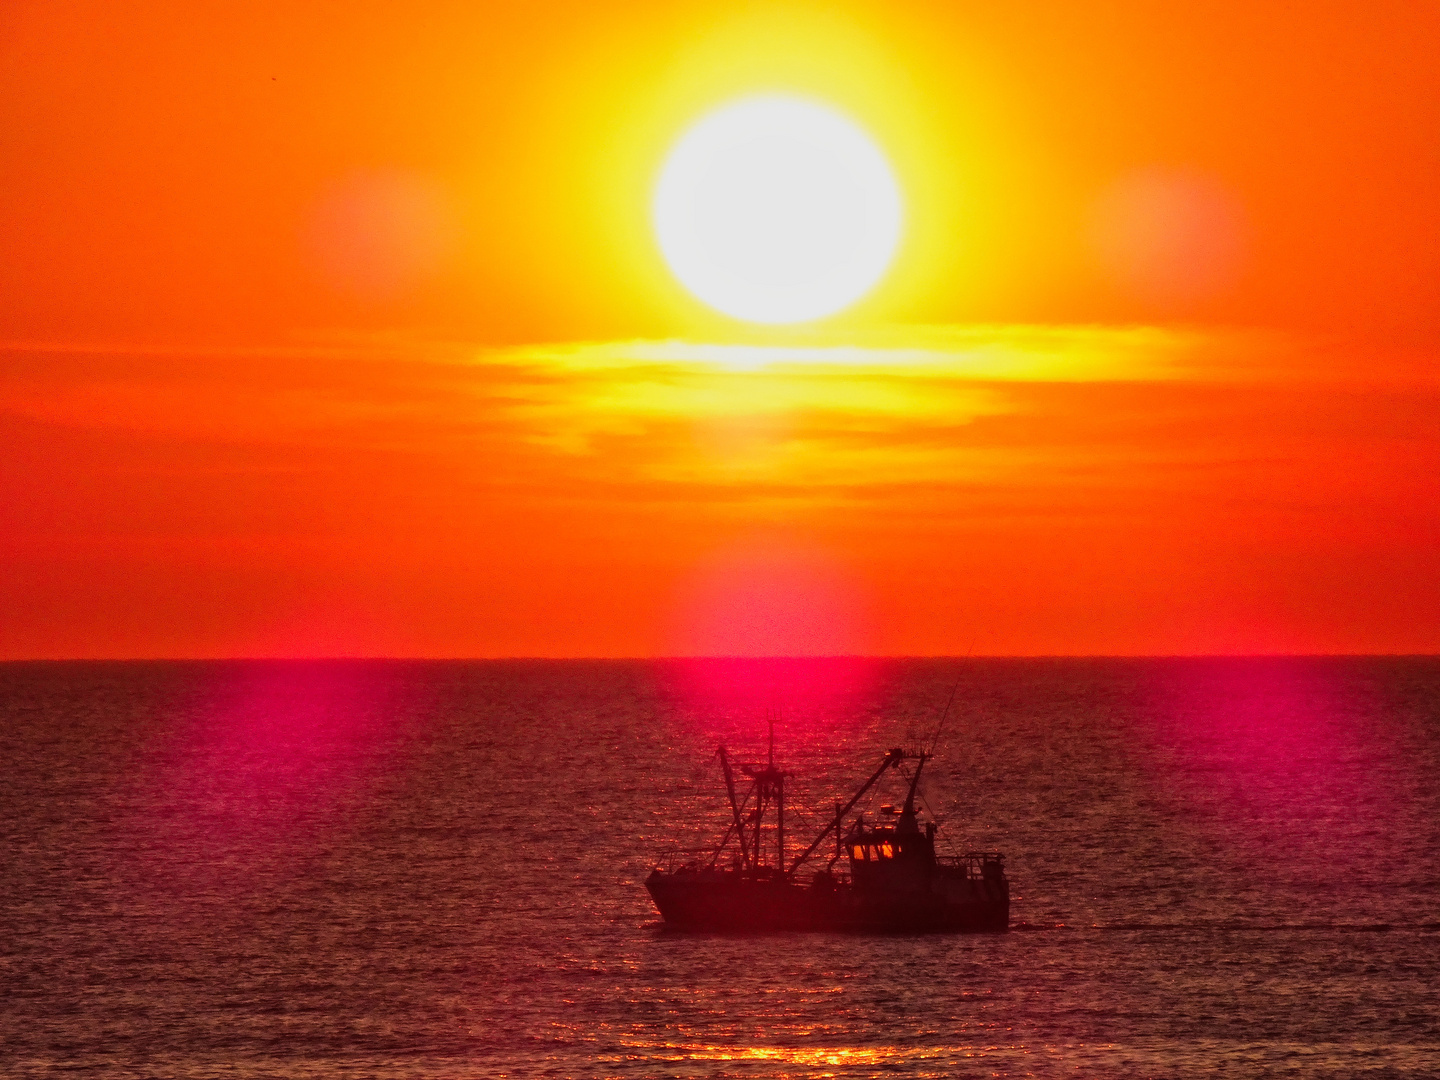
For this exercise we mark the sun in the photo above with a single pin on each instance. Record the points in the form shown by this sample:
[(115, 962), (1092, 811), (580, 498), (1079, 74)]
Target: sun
[(776, 209)]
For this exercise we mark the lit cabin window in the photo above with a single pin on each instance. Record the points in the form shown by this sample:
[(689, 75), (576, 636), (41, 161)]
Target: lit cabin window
[(858, 851), (886, 851)]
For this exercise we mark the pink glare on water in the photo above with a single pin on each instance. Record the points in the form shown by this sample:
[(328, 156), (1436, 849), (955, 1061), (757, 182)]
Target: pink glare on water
[(376, 235), (1274, 751), (734, 696), (276, 756), (1169, 235)]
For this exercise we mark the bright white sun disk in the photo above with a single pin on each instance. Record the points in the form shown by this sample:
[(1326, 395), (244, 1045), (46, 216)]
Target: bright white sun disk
[(775, 209)]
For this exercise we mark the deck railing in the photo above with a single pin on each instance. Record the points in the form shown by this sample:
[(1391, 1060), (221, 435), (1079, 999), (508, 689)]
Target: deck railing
[(975, 863), (674, 858)]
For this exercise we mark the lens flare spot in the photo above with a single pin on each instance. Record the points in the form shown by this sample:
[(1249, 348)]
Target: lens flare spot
[(378, 235), (1168, 234)]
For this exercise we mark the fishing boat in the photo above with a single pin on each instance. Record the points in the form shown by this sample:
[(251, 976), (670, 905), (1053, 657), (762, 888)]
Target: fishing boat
[(884, 874)]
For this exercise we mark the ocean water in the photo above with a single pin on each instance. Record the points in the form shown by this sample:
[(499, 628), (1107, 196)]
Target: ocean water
[(397, 869)]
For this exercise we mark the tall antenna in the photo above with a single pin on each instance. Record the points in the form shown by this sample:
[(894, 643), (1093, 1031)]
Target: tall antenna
[(935, 739)]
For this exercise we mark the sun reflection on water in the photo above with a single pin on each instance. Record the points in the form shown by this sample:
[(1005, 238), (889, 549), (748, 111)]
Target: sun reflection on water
[(882, 1058)]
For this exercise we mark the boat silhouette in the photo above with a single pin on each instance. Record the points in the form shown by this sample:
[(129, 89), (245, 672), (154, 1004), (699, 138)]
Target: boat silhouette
[(888, 878)]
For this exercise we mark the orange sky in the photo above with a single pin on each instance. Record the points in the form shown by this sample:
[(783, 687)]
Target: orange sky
[(340, 329)]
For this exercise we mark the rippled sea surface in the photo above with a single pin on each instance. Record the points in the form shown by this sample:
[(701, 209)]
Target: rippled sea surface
[(396, 869)]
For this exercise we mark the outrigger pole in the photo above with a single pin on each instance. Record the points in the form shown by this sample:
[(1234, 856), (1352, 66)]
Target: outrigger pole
[(892, 760), (734, 809)]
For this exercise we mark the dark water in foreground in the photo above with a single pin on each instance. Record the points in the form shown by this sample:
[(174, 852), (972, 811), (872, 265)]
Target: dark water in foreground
[(433, 870)]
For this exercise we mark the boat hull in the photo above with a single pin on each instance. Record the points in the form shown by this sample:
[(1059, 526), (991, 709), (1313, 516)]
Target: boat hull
[(727, 901)]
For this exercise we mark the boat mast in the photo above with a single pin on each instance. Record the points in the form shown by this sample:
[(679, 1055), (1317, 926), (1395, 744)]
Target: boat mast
[(762, 789), (907, 815), (779, 800), (769, 787)]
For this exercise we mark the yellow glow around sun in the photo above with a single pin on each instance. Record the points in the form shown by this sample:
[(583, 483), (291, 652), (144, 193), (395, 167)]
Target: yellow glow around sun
[(776, 209)]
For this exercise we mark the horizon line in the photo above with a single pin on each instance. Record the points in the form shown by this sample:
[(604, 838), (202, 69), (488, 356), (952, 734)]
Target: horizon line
[(533, 658)]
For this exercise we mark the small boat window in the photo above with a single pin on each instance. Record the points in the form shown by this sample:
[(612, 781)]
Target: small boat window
[(859, 851), (887, 851)]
